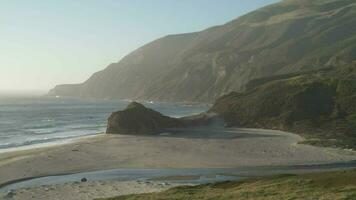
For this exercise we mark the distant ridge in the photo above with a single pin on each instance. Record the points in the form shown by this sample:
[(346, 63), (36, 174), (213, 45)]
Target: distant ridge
[(292, 36)]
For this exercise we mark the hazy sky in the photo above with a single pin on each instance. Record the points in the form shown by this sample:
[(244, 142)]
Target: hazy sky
[(48, 42)]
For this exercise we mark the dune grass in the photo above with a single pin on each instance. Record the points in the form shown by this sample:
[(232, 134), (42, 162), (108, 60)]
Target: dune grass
[(330, 185)]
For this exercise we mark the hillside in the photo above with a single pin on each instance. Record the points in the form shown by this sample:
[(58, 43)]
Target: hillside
[(319, 105), (329, 185), (287, 37)]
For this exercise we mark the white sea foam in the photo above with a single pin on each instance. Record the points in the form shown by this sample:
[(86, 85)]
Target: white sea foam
[(27, 121)]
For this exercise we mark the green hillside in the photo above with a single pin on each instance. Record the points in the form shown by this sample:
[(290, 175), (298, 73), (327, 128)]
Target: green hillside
[(321, 106), (327, 186), (292, 36)]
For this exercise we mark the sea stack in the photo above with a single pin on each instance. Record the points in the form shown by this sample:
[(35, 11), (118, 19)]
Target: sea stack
[(136, 119)]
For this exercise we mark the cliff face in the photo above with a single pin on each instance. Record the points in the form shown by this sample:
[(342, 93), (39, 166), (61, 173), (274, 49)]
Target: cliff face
[(287, 37), (317, 105)]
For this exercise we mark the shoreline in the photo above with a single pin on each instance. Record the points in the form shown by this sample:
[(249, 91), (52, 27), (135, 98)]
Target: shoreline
[(246, 173), (181, 149), (115, 187), (49, 144), (80, 139)]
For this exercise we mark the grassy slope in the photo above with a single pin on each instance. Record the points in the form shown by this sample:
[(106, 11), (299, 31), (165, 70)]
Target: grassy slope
[(288, 37), (320, 106), (331, 185)]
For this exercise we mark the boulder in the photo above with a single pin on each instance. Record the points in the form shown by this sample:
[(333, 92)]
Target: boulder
[(136, 119)]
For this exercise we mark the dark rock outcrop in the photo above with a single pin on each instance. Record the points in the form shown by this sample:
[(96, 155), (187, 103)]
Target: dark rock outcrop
[(136, 119)]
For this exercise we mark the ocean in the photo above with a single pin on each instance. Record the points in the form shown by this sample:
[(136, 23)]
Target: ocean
[(33, 120)]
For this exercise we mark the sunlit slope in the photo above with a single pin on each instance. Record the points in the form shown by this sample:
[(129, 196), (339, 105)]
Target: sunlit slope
[(290, 36)]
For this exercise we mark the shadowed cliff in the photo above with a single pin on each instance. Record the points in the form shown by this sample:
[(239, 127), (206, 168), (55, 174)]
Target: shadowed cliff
[(320, 106)]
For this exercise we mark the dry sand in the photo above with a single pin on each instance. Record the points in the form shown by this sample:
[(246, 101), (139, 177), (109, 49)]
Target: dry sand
[(86, 191), (193, 148)]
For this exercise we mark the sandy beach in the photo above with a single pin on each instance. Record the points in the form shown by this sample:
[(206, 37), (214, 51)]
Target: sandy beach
[(86, 191), (186, 148)]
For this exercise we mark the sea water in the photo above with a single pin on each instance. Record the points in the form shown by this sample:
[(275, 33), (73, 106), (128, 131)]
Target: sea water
[(30, 120)]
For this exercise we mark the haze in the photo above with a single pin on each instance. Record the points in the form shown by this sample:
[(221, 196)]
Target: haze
[(45, 43)]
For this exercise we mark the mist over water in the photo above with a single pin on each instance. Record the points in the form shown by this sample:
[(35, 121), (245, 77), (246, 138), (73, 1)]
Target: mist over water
[(27, 120)]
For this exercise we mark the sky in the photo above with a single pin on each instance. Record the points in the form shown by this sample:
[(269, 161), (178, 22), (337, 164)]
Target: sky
[(48, 42)]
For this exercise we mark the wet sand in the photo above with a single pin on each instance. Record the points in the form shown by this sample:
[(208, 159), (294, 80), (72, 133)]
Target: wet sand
[(188, 148)]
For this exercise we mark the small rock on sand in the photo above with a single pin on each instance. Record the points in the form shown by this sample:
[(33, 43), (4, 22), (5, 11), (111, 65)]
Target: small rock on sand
[(10, 194)]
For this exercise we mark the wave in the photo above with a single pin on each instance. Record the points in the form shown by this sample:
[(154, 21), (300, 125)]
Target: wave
[(40, 131), (47, 120), (44, 126), (41, 140), (28, 121)]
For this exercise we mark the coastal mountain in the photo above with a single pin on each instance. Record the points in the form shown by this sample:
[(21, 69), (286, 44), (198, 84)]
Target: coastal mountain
[(292, 36), (320, 106)]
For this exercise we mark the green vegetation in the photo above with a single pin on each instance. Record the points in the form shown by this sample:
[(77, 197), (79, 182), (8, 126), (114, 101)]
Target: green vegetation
[(328, 186), (321, 106), (292, 36)]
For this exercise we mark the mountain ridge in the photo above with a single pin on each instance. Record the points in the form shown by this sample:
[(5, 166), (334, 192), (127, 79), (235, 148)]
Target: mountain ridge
[(287, 37)]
